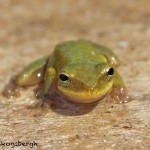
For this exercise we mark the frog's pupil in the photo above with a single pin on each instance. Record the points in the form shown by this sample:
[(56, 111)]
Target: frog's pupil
[(110, 71), (63, 77)]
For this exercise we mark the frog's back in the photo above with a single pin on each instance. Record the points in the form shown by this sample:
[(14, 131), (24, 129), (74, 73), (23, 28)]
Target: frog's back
[(79, 51)]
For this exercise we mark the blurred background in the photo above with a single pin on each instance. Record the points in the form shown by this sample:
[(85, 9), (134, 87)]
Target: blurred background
[(31, 29), (35, 27)]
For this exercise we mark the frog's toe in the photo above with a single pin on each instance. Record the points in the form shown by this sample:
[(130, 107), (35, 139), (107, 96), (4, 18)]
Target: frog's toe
[(122, 99), (120, 95)]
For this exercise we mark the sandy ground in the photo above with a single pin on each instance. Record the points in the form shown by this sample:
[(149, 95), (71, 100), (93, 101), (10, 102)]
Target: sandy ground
[(29, 30)]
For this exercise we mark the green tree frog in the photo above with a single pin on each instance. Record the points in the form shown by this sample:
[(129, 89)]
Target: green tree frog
[(79, 71)]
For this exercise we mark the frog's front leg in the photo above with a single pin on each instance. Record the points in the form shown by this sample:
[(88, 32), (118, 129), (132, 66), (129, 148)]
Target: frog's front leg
[(118, 92), (43, 91), (48, 80), (33, 73)]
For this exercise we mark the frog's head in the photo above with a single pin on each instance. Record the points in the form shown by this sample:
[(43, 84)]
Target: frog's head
[(85, 83)]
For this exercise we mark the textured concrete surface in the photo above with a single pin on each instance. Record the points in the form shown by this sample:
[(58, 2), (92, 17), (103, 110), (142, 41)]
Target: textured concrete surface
[(31, 29)]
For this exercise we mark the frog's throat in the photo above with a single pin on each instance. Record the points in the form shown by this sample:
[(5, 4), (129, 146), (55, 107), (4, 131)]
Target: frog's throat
[(82, 98)]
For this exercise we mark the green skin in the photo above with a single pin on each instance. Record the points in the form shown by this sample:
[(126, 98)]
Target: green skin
[(86, 65)]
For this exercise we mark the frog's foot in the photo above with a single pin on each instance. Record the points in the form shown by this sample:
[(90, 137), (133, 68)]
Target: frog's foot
[(11, 89), (119, 95), (39, 93), (43, 100)]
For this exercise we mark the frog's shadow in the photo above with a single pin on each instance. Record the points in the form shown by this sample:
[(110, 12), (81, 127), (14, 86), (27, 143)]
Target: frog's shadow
[(57, 104), (62, 106)]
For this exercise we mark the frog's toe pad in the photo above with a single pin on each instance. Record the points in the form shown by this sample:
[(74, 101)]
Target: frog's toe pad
[(119, 95)]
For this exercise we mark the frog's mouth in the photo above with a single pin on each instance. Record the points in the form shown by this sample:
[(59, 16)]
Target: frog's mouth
[(82, 97)]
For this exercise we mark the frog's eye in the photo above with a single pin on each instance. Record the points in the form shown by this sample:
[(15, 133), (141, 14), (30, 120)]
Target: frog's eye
[(63, 77), (110, 71), (65, 80)]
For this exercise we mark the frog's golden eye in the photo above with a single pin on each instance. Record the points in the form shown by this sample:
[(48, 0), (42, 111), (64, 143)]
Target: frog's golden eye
[(65, 80), (63, 77), (110, 71)]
